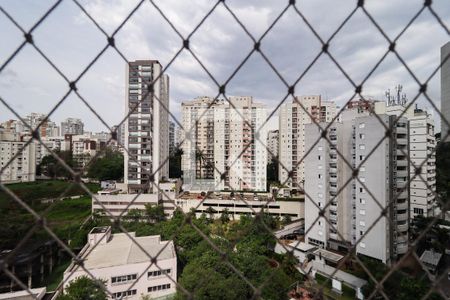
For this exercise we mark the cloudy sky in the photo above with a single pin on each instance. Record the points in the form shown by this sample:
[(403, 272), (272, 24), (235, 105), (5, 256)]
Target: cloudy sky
[(71, 41)]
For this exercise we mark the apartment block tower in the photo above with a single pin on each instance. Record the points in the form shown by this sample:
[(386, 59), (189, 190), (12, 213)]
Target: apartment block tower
[(292, 121), (220, 150), (421, 154), (147, 126), (445, 89), (72, 126), (272, 144), (352, 206)]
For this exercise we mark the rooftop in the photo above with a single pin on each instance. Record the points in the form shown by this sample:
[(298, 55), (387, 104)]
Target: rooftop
[(121, 250), (236, 196), (430, 257)]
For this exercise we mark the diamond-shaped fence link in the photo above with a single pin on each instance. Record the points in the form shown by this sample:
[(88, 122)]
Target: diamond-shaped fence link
[(118, 221)]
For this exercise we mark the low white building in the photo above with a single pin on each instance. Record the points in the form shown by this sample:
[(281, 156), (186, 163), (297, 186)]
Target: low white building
[(117, 203), (240, 204), (126, 267), (23, 167), (31, 294)]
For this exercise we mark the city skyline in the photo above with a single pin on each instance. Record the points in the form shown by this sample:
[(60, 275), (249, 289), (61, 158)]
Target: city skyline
[(104, 82)]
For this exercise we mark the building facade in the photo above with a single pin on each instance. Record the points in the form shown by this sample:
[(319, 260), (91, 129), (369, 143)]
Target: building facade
[(293, 118), (272, 145), (220, 150), (72, 126), (353, 206), (22, 168), (120, 262), (445, 90), (147, 127), (172, 142)]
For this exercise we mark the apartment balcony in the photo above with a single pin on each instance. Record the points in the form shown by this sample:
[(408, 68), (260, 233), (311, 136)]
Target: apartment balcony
[(402, 173), (402, 195), (333, 179), (333, 170), (402, 238), (401, 130), (333, 217), (402, 217), (333, 160), (402, 228), (333, 207), (333, 189), (402, 248), (401, 206), (402, 141), (334, 236), (401, 152), (402, 163), (401, 184), (333, 152)]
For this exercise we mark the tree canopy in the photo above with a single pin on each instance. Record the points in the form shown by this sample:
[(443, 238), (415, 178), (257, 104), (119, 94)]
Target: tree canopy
[(107, 167), (83, 288)]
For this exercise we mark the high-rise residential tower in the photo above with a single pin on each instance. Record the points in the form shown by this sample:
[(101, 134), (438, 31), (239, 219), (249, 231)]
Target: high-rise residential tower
[(272, 144), (353, 206), (220, 150), (172, 143), (445, 90), (292, 118), (147, 127), (72, 126)]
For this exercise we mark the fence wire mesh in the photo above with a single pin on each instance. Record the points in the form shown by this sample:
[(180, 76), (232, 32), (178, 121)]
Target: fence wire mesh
[(185, 46)]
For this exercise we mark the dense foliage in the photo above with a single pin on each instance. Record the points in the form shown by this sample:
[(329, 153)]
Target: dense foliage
[(207, 273), (84, 288), (107, 167), (52, 168), (175, 164), (64, 216), (443, 172)]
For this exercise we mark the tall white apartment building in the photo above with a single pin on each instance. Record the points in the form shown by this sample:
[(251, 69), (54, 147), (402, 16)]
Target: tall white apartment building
[(292, 121), (272, 144), (47, 128), (23, 167), (351, 209), (125, 266), (147, 127), (172, 144), (445, 90), (220, 150), (421, 153), (72, 126)]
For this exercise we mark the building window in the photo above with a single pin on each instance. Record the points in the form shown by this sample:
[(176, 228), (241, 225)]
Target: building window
[(362, 147), (418, 211), (158, 273), (362, 223), (363, 245), (122, 295), (362, 212), (123, 279), (361, 136), (158, 287), (362, 125)]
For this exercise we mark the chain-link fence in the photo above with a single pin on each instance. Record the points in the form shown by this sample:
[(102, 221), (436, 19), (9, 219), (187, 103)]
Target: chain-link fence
[(39, 219)]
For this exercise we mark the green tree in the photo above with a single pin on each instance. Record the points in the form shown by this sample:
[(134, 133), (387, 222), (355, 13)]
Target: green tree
[(154, 213), (51, 167), (225, 216), (272, 171), (175, 164), (108, 166), (84, 288)]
